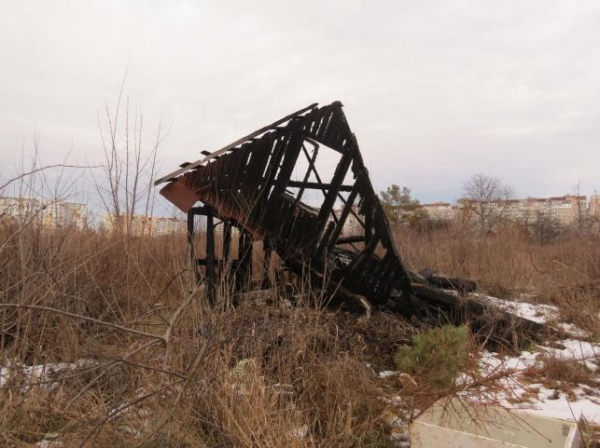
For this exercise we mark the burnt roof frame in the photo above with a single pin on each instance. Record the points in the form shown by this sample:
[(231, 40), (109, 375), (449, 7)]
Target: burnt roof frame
[(225, 181)]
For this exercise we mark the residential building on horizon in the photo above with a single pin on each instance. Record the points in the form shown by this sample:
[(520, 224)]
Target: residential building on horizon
[(594, 205), (144, 225), (49, 213), (565, 210)]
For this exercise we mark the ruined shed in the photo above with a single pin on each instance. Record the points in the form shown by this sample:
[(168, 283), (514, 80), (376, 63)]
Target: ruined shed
[(260, 185)]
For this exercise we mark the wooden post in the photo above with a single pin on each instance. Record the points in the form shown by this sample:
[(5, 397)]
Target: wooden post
[(267, 251), (211, 274), (192, 247)]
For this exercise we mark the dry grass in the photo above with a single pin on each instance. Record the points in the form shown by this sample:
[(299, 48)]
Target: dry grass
[(562, 375), (510, 265), (250, 376)]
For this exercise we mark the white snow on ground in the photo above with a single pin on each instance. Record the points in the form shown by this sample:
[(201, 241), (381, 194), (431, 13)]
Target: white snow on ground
[(536, 312), (512, 389), (45, 375), (4, 375), (49, 442), (539, 313), (537, 398), (42, 373), (517, 393)]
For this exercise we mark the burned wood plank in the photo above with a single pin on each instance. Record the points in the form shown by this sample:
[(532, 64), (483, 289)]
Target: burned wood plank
[(318, 186), (211, 274), (342, 220), (458, 284)]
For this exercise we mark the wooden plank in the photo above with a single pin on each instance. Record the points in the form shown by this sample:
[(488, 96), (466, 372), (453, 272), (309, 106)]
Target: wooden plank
[(311, 164), (226, 241), (349, 240), (342, 220), (211, 273), (336, 182), (324, 240), (288, 159), (317, 186)]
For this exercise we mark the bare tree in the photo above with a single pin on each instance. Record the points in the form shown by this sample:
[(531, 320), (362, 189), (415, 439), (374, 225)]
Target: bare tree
[(126, 188), (582, 217), (487, 197)]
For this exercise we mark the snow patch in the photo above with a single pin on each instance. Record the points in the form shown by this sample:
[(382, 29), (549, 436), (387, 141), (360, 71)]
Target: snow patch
[(539, 313), (48, 374), (516, 393)]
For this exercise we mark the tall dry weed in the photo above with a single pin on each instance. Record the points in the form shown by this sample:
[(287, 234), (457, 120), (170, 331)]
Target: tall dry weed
[(511, 265)]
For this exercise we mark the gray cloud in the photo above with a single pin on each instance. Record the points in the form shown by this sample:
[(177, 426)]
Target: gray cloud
[(434, 90)]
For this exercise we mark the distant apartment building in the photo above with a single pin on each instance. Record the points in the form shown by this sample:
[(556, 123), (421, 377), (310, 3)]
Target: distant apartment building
[(594, 205), (565, 210), (439, 210), (49, 213), (144, 225)]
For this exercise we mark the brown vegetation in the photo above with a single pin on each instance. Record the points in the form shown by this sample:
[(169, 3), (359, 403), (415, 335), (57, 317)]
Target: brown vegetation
[(509, 264), (150, 363), (151, 366)]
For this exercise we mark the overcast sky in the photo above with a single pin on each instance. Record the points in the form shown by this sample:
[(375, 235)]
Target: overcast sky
[(434, 90)]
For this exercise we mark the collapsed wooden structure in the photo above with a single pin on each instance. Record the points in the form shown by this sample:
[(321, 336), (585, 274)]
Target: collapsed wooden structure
[(250, 185), (262, 186)]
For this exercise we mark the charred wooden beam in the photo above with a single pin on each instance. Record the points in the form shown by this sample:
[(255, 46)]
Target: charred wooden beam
[(318, 186), (350, 239), (211, 274), (461, 285)]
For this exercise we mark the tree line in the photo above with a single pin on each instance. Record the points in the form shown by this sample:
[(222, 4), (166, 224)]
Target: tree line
[(485, 202)]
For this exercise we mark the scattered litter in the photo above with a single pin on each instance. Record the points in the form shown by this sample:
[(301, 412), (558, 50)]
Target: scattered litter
[(456, 423), (300, 432)]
